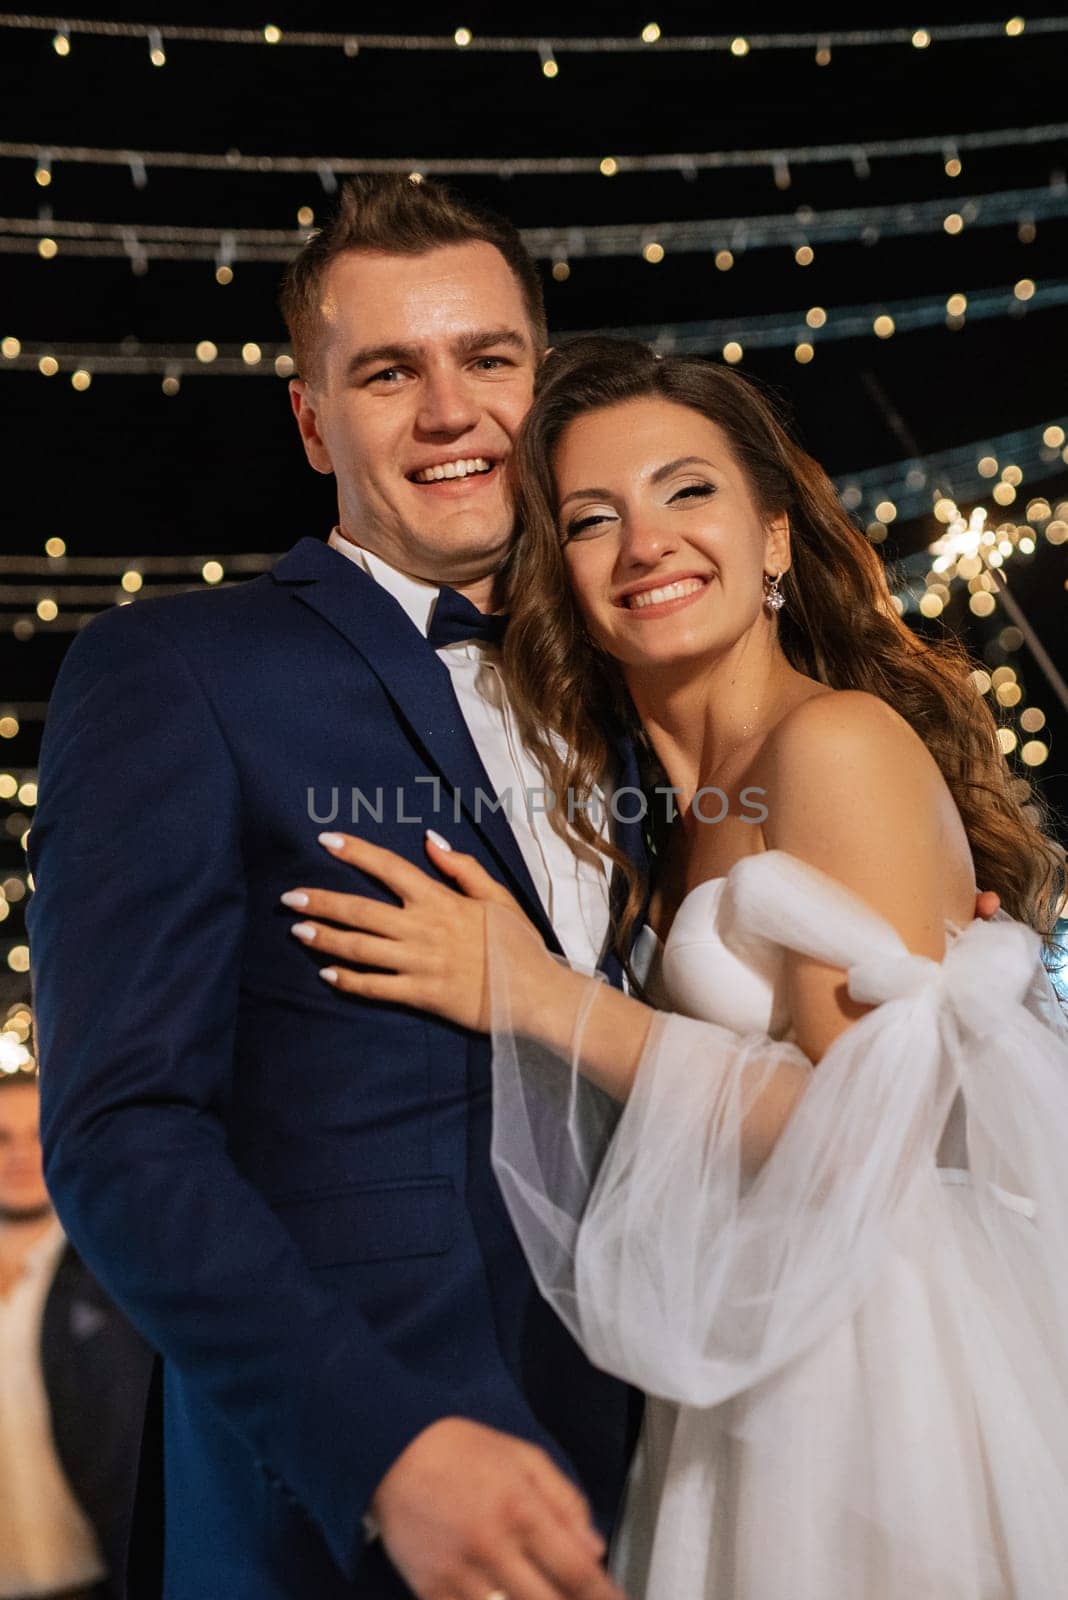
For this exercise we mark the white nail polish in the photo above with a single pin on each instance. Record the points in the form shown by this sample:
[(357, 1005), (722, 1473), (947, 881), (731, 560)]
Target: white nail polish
[(305, 931), (295, 899), (328, 974), (331, 841), (436, 838)]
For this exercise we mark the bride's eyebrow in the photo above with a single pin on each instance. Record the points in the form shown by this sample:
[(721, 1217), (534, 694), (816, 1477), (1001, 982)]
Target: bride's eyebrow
[(585, 494), (657, 477), (674, 466)]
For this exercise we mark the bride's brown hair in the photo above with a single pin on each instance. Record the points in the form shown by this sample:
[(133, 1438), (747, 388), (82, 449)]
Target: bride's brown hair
[(838, 624)]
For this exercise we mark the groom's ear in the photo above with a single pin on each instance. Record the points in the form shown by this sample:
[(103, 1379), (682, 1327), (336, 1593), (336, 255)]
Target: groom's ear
[(302, 400)]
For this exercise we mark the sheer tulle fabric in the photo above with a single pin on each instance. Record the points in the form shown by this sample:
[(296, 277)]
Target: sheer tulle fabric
[(858, 1353)]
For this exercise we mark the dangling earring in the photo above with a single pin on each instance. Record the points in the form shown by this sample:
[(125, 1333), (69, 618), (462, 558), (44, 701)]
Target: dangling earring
[(774, 599)]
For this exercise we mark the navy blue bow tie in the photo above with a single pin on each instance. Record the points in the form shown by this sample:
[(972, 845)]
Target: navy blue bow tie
[(455, 619)]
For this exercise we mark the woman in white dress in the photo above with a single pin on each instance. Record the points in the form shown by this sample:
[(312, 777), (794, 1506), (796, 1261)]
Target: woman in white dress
[(816, 1204)]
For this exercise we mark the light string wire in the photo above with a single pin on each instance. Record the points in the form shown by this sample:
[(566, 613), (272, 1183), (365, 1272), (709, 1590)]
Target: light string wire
[(732, 336), (858, 152), (651, 38), (167, 241)]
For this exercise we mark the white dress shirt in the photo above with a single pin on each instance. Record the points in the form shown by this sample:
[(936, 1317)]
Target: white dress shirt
[(46, 1543), (574, 893)]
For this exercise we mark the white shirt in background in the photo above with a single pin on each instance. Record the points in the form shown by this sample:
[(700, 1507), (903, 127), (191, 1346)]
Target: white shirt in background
[(46, 1542)]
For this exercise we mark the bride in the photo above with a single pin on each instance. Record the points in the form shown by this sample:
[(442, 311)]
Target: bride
[(806, 1184)]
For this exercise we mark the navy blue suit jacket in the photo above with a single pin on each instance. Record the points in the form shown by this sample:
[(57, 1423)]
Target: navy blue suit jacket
[(288, 1191)]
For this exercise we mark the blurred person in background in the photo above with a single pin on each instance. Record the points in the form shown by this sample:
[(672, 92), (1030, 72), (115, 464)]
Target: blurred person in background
[(73, 1383)]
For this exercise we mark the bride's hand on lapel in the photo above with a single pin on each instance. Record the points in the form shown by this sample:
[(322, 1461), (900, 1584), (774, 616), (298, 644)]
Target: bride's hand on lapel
[(430, 950)]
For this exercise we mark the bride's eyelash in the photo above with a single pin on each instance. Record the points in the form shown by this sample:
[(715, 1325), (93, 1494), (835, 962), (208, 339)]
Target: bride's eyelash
[(584, 522), (688, 490)]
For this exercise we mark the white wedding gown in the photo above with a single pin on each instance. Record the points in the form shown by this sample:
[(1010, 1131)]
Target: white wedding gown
[(857, 1359)]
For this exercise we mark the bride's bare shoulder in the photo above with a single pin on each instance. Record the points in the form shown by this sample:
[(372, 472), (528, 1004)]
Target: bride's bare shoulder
[(846, 725), (851, 787)]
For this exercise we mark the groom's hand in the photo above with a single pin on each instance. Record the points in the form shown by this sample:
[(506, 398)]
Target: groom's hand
[(466, 1512)]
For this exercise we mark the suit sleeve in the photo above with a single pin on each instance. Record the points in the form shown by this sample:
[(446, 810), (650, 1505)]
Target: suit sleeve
[(137, 925)]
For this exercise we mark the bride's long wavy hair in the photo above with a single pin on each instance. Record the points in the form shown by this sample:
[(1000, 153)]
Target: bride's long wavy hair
[(838, 625)]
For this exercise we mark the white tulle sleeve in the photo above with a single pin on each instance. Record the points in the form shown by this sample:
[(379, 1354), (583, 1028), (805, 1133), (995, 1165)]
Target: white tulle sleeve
[(685, 1267)]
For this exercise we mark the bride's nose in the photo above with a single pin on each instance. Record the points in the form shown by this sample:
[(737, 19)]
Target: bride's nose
[(646, 539)]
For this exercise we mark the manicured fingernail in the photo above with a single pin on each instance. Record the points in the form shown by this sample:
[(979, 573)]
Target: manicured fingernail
[(295, 898), (435, 838), (331, 841), (304, 930), (328, 974)]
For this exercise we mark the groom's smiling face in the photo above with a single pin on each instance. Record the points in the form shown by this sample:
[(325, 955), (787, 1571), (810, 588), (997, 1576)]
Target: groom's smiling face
[(425, 372)]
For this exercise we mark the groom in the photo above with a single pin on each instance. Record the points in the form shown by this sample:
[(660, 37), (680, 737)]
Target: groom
[(291, 1193)]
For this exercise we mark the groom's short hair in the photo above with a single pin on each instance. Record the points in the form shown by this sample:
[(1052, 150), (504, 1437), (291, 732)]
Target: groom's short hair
[(405, 216)]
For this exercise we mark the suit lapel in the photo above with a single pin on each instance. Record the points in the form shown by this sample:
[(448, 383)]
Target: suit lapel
[(419, 688)]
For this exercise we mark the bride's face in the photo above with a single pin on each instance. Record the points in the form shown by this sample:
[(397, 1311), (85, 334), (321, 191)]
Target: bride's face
[(665, 545)]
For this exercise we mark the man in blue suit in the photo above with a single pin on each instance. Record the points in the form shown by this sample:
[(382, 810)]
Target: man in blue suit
[(290, 1192)]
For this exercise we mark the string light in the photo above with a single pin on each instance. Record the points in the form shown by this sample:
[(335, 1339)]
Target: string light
[(61, 43), (228, 246), (549, 66), (971, 467), (766, 332), (156, 53), (353, 43), (739, 47), (724, 260), (550, 166), (804, 255)]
